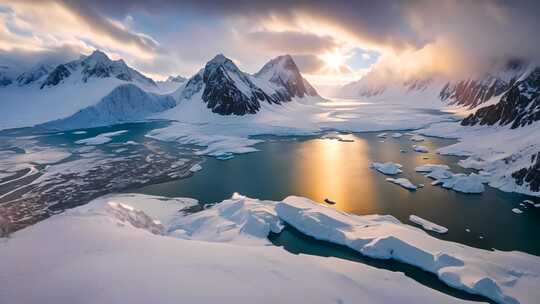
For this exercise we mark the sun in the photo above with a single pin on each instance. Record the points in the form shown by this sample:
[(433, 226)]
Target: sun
[(333, 60)]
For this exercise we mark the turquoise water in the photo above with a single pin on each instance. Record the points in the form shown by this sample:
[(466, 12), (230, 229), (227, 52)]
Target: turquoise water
[(322, 168)]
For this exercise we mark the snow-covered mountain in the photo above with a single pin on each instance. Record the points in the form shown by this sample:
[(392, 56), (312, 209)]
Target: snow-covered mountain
[(468, 93), (45, 93), (519, 106), (226, 90), (126, 103), (177, 78), (473, 92), (92, 91), (97, 65), (171, 84)]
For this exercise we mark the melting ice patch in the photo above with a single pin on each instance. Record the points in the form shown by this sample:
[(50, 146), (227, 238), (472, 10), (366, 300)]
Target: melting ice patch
[(100, 139)]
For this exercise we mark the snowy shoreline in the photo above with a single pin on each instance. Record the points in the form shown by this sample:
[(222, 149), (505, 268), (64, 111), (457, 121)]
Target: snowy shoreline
[(112, 233)]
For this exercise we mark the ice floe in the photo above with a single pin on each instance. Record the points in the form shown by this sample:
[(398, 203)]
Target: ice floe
[(421, 149), (195, 168), (417, 138), (431, 167), (388, 168), (517, 210), (396, 135), (472, 183), (427, 225), (403, 182), (536, 205)]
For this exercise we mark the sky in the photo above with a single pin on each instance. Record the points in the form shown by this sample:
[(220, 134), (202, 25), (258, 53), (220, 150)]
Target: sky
[(333, 42)]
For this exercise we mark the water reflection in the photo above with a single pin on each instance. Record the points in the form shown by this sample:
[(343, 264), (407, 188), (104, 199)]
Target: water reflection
[(328, 168), (319, 172)]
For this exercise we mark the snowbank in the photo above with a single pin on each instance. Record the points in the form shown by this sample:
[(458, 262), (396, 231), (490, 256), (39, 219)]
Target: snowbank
[(92, 255), (505, 277)]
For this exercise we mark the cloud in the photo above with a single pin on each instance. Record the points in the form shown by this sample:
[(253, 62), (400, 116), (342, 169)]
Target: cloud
[(446, 37), (107, 26), (290, 41)]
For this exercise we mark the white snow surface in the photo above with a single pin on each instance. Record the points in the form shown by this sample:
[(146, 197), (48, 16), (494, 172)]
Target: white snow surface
[(196, 124), (388, 168), (427, 225), (133, 248), (497, 151)]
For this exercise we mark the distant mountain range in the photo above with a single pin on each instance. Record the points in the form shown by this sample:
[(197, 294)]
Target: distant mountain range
[(95, 90)]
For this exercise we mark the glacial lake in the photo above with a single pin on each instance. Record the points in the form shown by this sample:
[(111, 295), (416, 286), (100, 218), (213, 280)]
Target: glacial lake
[(307, 166), (325, 168)]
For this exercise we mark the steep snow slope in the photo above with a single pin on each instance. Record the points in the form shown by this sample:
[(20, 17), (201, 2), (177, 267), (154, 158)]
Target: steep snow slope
[(43, 94), (141, 249), (125, 103), (518, 107), (475, 92)]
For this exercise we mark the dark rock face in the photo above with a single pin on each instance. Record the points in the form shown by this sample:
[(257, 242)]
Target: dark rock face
[(519, 106), (228, 91), (530, 175), (474, 92), (221, 93), (56, 76)]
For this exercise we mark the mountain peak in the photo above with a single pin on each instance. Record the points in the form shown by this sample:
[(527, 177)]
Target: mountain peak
[(97, 56), (284, 72), (219, 59)]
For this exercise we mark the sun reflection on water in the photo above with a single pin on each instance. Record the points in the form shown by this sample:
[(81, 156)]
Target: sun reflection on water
[(321, 165)]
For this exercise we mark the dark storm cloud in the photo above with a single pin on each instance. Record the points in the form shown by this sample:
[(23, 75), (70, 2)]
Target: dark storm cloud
[(482, 25), (290, 41), (94, 18), (380, 21)]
